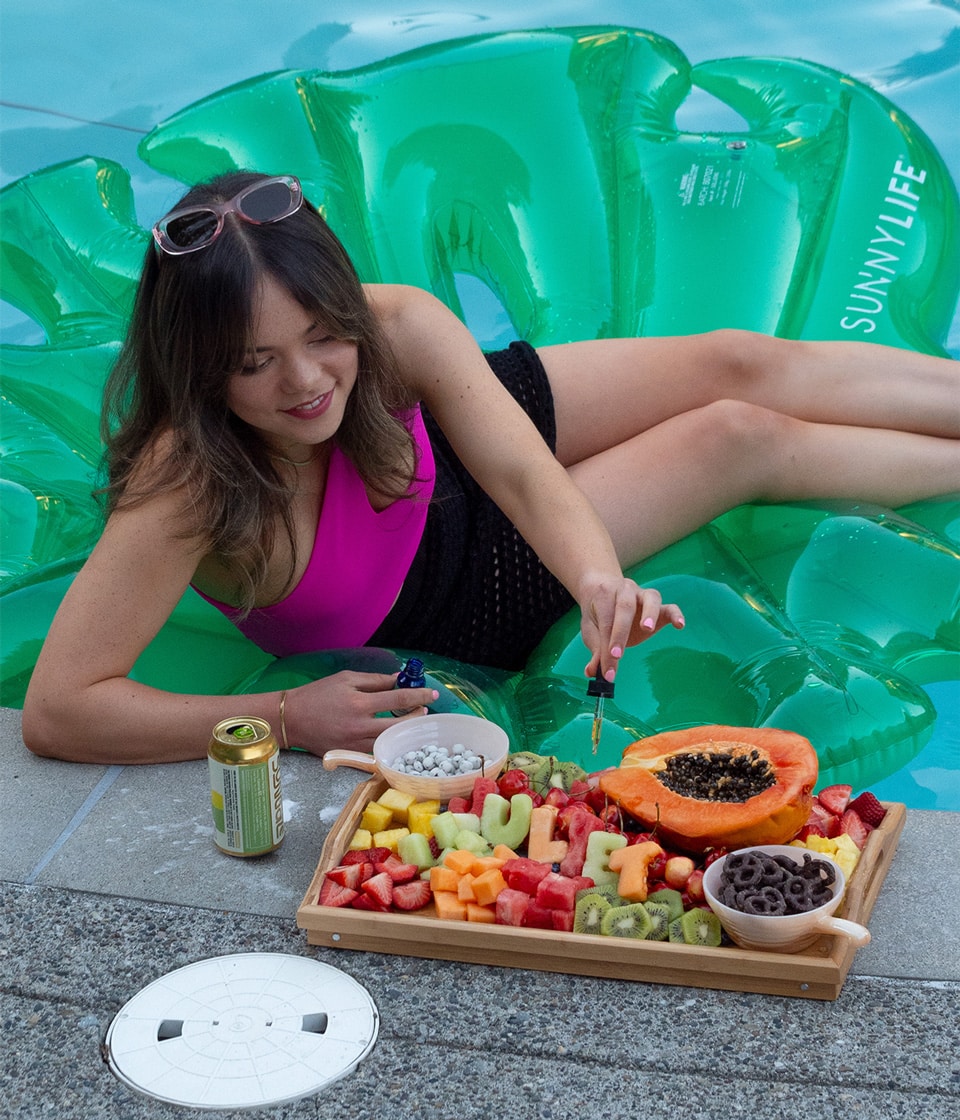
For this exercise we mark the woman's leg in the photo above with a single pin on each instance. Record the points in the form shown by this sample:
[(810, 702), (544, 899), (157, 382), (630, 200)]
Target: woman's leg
[(610, 390), (655, 487)]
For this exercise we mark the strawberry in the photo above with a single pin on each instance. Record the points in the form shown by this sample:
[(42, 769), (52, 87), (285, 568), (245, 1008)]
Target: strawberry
[(365, 902), (398, 871), (868, 809), (835, 798), (411, 896), (811, 828), (349, 875), (379, 889), (821, 817), (365, 855), (333, 894), (853, 826)]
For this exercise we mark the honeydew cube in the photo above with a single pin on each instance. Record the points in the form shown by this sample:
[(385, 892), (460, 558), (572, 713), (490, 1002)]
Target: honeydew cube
[(471, 842), (360, 841), (468, 821), (397, 802), (415, 848), (376, 817), (420, 814), (390, 838), (445, 829)]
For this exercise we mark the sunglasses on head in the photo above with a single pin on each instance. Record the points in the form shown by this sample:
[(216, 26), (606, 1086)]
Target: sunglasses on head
[(195, 227)]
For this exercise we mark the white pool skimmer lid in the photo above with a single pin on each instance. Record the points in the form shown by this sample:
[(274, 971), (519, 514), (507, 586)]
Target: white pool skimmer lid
[(242, 1031)]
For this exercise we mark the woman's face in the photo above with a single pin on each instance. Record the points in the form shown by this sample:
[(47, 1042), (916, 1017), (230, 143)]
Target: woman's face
[(295, 382)]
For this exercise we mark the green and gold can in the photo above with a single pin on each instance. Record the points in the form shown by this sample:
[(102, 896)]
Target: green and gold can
[(244, 762)]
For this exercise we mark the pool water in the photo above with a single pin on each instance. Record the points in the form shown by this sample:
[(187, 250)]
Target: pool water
[(107, 73)]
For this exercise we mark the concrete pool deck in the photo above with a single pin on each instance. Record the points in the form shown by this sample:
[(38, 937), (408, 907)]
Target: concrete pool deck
[(110, 880)]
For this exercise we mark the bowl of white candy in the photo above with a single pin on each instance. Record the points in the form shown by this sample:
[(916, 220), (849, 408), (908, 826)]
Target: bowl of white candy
[(433, 756)]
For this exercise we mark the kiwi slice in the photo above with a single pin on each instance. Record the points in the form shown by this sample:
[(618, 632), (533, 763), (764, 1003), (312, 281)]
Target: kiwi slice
[(675, 932), (631, 920), (605, 890), (659, 919), (670, 898), (589, 912), (531, 764), (563, 774), (701, 927)]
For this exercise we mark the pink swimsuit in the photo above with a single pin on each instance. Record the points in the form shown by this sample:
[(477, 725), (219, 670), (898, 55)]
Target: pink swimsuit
[(359, 561)]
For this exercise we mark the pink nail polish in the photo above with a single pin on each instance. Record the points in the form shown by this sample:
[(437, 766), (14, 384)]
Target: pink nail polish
[(648, 624), (610, 675), (616, 652)]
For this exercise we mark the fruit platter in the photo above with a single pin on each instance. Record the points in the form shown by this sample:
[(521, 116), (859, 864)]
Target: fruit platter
[(547, 867)]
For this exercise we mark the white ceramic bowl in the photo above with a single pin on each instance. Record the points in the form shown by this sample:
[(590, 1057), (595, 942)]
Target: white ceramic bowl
[(445, 729), (784, 933)]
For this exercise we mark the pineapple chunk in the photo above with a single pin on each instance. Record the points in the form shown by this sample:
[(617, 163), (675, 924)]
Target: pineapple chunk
[(361, 840), (376, 817), (390, 838), (397, 802), (420, 814)]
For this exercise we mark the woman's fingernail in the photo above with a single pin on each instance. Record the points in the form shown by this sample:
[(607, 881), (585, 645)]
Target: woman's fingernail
[(648, 624), (616, 652), (436, 695), (610, 675)]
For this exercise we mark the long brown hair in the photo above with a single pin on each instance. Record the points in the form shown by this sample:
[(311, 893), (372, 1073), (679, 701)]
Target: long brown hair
[(165, 401)]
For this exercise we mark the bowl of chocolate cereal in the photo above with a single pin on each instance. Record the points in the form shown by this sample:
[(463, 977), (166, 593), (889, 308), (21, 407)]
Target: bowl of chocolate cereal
[(779, 898)]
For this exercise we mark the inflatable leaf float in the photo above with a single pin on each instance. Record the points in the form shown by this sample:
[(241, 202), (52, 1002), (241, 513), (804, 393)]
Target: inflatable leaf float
[(588, 214)]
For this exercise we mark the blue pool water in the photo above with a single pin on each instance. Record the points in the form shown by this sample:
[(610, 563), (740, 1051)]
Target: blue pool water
[(107, 73)]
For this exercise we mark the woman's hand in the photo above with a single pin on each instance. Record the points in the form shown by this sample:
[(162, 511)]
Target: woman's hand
[(616, 613), (339, 712)]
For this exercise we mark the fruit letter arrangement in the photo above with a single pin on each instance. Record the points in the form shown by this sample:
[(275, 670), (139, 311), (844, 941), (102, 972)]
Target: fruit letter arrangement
[(619, 853)]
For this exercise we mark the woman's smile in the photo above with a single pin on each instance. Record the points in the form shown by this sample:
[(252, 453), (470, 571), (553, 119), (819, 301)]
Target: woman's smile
[(293, 358)]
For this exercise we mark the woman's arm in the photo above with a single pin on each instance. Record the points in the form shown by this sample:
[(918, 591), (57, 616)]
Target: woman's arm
[(81, 704), (503, 451)]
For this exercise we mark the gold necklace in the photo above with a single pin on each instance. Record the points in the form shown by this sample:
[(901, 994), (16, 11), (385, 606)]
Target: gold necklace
[(296, 462)]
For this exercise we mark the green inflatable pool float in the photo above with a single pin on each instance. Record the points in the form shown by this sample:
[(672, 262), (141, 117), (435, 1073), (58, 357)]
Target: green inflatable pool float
[(548, 166)]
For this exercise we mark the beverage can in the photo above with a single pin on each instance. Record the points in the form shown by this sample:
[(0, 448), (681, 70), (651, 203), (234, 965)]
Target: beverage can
[(410, 676), (245, 793)]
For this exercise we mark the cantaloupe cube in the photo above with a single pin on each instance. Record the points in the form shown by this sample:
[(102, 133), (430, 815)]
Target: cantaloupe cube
[(390, 838), (487, 886), (376, 817), (397, 802), (448, 906), (486, 863), (460, 860), (444, 879), (501, 851), (361, 840), (465, 889), (477, 913)]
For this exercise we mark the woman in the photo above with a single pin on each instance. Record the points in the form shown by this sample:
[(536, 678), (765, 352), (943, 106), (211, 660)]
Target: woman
[(270, 450)]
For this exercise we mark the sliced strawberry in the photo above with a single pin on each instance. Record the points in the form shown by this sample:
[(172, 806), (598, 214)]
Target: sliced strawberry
[(380, 889), (333, 894), (811, 828), (355, 855), (365, 902), (868, 809), (821, 817), (348, 875), (413, 895), (853, 826), (398, 871), (366, 855), (835, 798)]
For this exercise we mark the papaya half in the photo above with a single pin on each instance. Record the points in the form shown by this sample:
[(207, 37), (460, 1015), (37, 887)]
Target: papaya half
[(717, 786)]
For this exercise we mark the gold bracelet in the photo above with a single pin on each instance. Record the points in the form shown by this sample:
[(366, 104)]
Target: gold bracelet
[(283, 723)]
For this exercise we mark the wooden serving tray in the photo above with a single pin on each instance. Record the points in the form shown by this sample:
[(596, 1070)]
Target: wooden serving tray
[(817, 972)]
